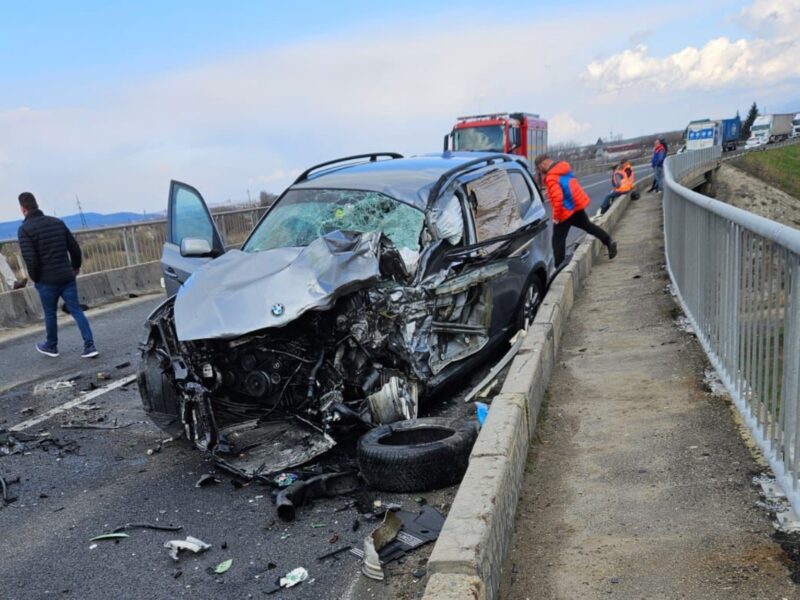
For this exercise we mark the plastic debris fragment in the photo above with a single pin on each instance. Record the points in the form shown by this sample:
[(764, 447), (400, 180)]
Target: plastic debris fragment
[(481, 411), (284, 479), (293, 577), (223, 566), (109, 536), (190, 543)]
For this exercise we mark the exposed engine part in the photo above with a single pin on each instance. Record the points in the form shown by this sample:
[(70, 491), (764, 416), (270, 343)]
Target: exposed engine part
[(395, 401), (364, 361)]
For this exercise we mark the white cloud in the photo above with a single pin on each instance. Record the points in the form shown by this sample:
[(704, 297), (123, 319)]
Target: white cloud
[(721, 63), (779, 19), (564, 127)]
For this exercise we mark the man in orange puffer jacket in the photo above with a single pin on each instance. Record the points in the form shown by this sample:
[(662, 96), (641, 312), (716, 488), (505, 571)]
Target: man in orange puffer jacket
[(569, 201)]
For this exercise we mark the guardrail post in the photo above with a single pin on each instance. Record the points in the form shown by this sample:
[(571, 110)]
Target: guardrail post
[(125, 245), (136, 259)]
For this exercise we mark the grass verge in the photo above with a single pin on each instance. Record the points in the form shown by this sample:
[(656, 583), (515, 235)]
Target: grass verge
[(779, 167)]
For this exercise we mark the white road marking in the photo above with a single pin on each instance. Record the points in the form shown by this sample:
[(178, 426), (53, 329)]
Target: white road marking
[(608, 183), (73, 403)]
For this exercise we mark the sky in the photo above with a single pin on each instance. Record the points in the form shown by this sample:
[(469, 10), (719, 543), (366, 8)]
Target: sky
[(110, 101)]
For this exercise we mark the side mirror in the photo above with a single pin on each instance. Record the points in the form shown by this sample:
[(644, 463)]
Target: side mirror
[(195, 247), (445, 144)]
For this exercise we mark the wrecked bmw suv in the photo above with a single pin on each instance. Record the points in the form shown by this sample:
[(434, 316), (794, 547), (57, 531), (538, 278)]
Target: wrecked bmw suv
[(372, 281)]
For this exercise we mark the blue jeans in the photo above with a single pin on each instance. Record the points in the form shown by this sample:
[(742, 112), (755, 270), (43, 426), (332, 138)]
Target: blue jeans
[(658, 176), (49, 293), (612, 195)]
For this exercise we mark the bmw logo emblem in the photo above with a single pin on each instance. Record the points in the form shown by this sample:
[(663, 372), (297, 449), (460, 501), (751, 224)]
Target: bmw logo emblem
[(277, 310)]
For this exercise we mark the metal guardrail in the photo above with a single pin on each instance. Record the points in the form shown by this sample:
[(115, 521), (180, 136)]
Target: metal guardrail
[(737, 276), (106, 248)]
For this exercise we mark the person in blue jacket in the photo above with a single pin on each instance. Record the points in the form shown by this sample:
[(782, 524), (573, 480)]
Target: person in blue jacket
[(659, 154)]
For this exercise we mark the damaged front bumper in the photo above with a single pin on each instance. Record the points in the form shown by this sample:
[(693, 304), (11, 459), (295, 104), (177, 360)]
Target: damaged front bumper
[(359, 355)]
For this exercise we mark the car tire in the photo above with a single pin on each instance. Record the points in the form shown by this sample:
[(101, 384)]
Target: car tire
[(159, 398), (532, 297), (417, 455)]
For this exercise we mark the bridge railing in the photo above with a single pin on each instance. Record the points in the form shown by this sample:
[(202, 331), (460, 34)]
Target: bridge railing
[(106, 248), (737, 276)]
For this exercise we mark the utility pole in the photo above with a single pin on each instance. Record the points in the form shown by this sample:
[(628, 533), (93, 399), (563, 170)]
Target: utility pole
[(84, 224)]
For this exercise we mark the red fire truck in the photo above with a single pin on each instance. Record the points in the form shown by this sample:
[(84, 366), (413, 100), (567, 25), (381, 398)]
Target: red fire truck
[(519, 133)]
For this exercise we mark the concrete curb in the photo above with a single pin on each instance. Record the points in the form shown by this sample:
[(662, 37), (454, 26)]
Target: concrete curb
[(22, 307), (467, 559)]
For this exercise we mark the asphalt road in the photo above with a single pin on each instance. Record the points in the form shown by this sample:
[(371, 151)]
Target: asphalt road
[(77, 483), (597, 185)]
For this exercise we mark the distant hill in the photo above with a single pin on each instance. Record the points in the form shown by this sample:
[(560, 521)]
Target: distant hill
[(8, 229)]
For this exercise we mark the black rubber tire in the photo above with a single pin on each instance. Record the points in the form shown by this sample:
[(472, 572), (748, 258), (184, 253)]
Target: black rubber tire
[(417, 455), (159, 398), (537, 285)]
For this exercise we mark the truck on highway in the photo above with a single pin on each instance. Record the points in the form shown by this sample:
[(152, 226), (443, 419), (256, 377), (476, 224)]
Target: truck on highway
[(730, 130), (520, 133), (769, 128), (703, 133), (796, 125)]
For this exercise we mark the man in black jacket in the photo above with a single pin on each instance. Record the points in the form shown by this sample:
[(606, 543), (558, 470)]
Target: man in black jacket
[(53, 259)]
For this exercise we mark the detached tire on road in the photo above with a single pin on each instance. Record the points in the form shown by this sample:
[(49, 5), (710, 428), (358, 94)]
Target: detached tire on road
[(416, 455)]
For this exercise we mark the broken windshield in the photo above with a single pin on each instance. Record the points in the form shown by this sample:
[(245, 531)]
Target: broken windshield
[(305, 215)]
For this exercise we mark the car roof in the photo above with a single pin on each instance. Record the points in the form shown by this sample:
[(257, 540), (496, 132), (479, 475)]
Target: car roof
[(408, 180)]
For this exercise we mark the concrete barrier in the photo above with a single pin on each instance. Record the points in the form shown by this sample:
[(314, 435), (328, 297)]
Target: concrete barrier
[(22, 307), (467, 559)]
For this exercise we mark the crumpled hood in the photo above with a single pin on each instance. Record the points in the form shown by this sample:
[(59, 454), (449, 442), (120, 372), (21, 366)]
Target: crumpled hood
[(240, 292)]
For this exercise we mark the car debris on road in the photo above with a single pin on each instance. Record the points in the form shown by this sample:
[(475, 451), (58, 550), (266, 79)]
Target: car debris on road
[(399, 533), (328, 485), (190, 543), (293, 577), (4, 483), (154, 526)]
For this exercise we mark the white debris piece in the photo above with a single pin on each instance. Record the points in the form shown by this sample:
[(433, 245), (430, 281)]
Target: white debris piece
[(293, 577), (685, 325), (775, 501), (372, 562), (52, 386), (190, 543), (714, 383)]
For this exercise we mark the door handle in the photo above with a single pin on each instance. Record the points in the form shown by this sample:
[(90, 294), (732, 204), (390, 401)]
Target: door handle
[(170, 272)]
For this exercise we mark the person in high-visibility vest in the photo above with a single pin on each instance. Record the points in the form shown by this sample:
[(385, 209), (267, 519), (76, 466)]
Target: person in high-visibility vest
[(621, 184), (626, 164)]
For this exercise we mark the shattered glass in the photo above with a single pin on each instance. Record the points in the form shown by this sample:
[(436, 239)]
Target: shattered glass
[(305, 215)]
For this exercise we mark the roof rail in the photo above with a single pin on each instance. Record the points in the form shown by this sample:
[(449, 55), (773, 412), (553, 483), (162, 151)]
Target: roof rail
[(447, 175), (373, 157)]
